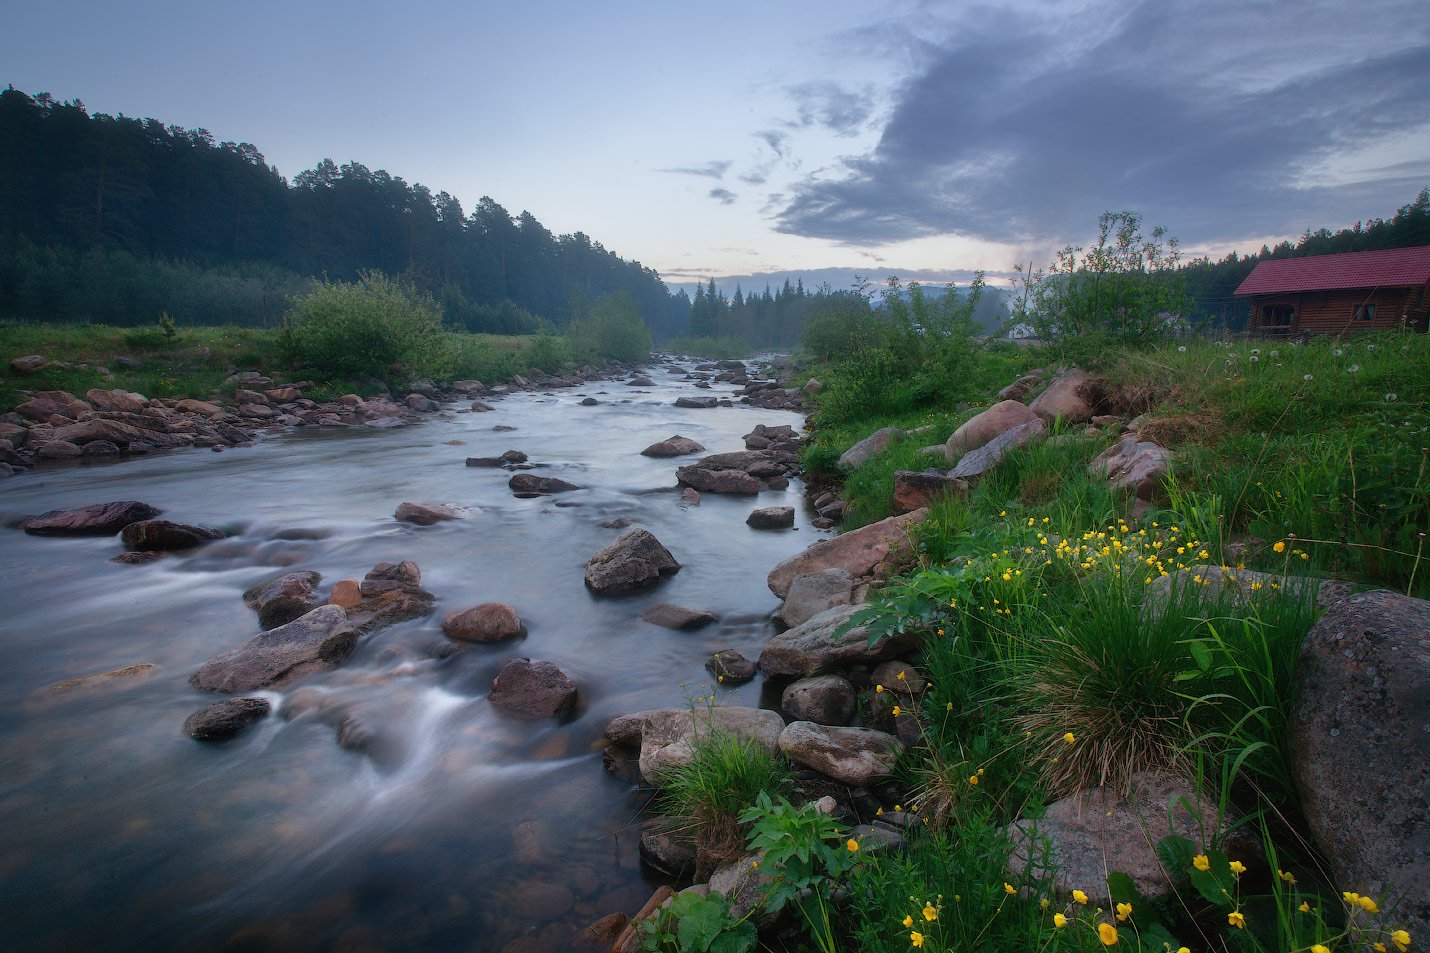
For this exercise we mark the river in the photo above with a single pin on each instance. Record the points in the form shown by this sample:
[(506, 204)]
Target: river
[(462, 829)]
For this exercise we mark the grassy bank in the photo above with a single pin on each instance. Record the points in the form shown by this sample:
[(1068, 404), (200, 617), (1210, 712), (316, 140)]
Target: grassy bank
[(1067, 645)]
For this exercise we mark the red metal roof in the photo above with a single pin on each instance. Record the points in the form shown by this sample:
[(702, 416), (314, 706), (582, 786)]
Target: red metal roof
[(1387, 268)]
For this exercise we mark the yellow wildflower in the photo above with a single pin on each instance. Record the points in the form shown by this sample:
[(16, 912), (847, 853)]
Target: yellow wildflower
[(897, 711), (1107, 933), (1320, 948), (1237, 867), (1368, 905), (1202, 862), (930, 912), (1304, 907), (916, 938), (1009, 888), (973, 780), (908, 921), (1080, 897), (1043, 903), (1059, 920), (1236, 919), (1401, 939), (878, 689), (1124, 910), (1070, 737), (1287, 876), (1280, 547), (852, 845)]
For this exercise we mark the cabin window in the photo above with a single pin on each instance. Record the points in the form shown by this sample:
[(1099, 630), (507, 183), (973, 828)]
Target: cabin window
[(1277, 316), (1365, 312)]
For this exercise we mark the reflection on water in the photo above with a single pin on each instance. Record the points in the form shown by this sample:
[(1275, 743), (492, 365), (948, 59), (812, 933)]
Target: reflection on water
[(442, 824)]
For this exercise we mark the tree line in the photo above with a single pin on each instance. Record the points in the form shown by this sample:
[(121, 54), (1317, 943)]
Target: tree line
[(111, 218)]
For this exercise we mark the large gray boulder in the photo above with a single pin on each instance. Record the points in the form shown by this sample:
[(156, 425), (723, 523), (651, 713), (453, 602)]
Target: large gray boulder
[(676, 446), (98, 519), (855, 756), (815, 647), (877, 442), (1069, 398), (822, 699), (718, 481), (812, 593), (998, 419), (878, 546), (316, 642), (976, 464), (668, 738), (633, 560), (1104, 829), (1360, 737), (1133, 466)]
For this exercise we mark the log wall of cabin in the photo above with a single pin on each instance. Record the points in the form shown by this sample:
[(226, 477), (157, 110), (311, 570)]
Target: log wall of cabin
[(1332, 312)]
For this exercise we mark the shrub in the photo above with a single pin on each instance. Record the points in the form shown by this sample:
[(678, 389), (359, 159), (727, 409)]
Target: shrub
[(613, 331), (547, 352), (376, 326)]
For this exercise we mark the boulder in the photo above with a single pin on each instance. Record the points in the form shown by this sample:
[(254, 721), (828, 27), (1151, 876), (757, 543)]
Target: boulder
[(678, 617), (1021, 387), (667, 845), (729, 666), (116, 400), (718, 481), (855, 756), (167, 536), (1361, 751), (316, 642), (758, 463), (915, 490), (814, 592), (974, 465), (877, 442), (998, 419), (771, 517), (425, 514), (813, 386), (822, 699), (347, 593), (533, 689), (878, 546), (201, 407), (1068, 398), (699, 403), (668, 736), (390, 593), (676, 446), (282, 600), (1138, 467), (626, 729), (59, 450), (1106, 829), (530, 483), (226, 719), (815, 647), (98, 519), (633, 560), (745, 884), (640, 382), (488, 622), (28, 364)]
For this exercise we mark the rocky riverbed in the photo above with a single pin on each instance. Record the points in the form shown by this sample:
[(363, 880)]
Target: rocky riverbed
[(376, 767)]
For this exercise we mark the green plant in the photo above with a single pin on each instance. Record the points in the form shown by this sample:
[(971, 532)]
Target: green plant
[(613, 331), (376, 326), (547, 352), (692, 923)]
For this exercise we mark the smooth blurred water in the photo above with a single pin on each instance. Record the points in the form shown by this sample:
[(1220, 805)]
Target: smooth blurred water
[(461, 829)]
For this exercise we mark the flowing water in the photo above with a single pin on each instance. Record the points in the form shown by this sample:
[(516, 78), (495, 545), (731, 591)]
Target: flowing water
[(459, 828)]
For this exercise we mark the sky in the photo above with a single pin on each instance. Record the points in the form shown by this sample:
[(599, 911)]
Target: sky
[(756, 140)]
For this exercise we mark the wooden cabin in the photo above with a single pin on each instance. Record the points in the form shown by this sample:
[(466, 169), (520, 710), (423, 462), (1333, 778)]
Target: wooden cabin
[(1340, 294)]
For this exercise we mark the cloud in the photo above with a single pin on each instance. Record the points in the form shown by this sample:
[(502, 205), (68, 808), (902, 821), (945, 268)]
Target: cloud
[(1217, 119), (723, 196), (709, 170), (826, 103), (777, 141)]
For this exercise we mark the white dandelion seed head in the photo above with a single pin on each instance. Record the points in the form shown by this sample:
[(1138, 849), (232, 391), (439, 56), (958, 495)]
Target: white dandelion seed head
[(1353, 368), (1307, 377), (1336, 352), (1391, 398), (1253, 358), (1181, 349)]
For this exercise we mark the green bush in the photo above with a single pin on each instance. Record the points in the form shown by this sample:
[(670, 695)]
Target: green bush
[(547, 352), (728, 348), (376, 326), (613, 331)]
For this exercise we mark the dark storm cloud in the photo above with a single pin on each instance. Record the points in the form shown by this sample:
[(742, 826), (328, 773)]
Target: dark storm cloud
[(723, 196), (709, 170), (824, 103), (1218, 120)]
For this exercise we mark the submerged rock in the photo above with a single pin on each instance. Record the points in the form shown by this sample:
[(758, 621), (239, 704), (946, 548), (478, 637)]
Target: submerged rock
[(530, 483), (700, 403), (719, 481), (316, 642), (488, 622), (167, 536), (98, 519), (391, 593), (730, 666), (226, 719), (670, 616), (280, 601), (676, 446), (634, 560), (425, 514), (533, 689)]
